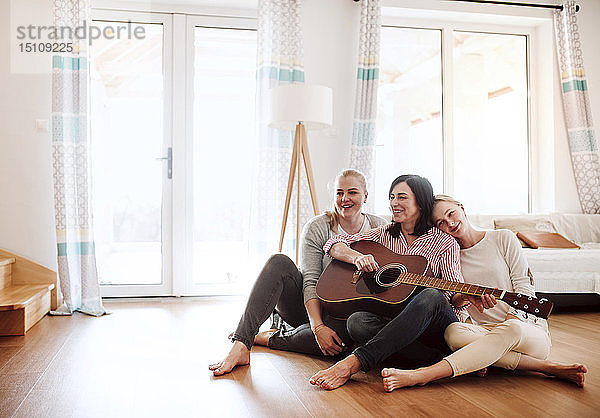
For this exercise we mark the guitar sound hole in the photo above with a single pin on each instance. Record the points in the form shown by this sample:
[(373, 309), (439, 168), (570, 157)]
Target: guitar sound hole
[(390, 275)]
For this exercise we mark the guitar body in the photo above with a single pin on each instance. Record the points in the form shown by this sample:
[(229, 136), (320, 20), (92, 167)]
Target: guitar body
[(342, 293)]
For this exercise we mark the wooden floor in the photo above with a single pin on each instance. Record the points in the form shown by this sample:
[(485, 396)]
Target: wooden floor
[(150, 357)]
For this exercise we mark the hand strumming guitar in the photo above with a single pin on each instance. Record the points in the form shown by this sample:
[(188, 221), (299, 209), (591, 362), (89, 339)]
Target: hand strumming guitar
[(365, 262)]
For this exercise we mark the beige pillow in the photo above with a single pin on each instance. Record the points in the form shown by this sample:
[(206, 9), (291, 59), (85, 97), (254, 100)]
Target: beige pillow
[(545, 240), (579, 228), (521, 223), (525, 223)]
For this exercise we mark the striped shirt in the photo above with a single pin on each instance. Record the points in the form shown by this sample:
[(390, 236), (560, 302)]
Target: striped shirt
[(440, 249)]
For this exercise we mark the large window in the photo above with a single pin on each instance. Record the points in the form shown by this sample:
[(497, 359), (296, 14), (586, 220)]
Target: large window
[(453, 107)]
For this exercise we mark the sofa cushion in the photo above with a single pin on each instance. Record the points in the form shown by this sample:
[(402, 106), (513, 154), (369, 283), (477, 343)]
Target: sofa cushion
[(579, 228), (537, 239), (523, 223), (564, 271)]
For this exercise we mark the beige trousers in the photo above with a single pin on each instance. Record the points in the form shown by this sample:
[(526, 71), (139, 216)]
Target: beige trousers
[(501, 345)]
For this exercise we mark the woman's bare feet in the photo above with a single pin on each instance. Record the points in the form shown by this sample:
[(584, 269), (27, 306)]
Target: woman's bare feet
[(336, 375), (572, 372), (481, 372), (396, 378), (239, 355), (262, 338)]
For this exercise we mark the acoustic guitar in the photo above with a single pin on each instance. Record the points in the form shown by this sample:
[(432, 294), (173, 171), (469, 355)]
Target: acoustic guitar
[(344, 290)]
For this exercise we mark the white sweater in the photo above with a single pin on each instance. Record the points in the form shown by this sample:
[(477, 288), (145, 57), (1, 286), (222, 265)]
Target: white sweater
[(496, 261)]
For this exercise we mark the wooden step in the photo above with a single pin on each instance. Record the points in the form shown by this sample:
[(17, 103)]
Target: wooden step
[(5, 271), (6, 260), (22, 306), (24, 271)]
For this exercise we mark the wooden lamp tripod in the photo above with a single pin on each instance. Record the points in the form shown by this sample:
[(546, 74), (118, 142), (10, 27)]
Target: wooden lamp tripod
[(301, 106)]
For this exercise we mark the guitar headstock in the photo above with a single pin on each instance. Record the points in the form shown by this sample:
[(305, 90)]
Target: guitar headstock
[(538, 307)]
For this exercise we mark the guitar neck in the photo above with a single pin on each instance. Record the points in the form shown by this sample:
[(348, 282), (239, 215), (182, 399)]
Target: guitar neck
[(441, 284)]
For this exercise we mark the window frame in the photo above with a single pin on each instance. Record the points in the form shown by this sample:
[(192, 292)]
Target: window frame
[(540, 139)]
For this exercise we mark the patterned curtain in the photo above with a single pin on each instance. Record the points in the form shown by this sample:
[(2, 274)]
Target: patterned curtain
[(362, 150), (585, 156), (279, 61), (70, 145)]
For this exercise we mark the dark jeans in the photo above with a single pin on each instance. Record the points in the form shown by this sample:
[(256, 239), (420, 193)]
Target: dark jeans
[(279, 285), (416, 334)]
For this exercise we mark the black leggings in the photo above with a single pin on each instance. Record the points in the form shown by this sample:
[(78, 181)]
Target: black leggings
[(279, 285)]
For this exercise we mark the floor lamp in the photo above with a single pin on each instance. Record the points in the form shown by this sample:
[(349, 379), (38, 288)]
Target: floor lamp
[(302, 107)]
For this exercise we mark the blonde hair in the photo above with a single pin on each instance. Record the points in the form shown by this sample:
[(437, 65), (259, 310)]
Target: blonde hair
[(333, 214), (445, 198)]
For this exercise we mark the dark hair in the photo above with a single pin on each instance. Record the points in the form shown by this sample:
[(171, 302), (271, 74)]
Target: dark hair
[(421, 188)]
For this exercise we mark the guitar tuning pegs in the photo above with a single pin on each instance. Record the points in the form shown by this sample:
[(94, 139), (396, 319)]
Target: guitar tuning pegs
[(530, 298), (526, 306), (519, 295), (515, 303), (537, 310)]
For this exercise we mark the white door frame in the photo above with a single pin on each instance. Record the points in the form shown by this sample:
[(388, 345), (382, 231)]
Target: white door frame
[(184, 192), (166, 287)]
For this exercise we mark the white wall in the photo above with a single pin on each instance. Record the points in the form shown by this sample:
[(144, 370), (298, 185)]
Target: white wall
[(331, 53), (331, 37), (26, 205)]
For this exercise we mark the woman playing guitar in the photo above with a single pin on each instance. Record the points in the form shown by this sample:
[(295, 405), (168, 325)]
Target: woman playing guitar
[(499, 335)]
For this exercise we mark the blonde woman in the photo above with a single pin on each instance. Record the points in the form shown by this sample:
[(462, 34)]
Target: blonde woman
[(499, 335), (292, 290)]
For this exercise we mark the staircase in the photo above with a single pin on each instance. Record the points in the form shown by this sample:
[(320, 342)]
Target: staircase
[(27, 292)]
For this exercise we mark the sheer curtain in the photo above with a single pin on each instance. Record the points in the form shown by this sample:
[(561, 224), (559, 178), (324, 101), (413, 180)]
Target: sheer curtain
[(280, 60), (362, 149), (585, 156), (70, 154)]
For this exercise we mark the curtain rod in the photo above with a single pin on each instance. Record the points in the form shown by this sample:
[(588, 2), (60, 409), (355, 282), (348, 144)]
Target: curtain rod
[(510, 3)]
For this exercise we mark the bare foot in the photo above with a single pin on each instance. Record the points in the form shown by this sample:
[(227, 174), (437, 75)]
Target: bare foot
[(396, 378), (239, 355), (336, 375), (262, 338), (572, 372), (481, 372)]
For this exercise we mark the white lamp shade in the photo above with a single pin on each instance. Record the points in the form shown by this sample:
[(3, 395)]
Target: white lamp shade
[(309, 104)]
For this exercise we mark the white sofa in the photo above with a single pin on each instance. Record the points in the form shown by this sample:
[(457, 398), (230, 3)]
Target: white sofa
[(557, 270)]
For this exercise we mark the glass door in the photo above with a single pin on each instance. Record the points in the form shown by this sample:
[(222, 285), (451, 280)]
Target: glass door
[(132, 152), (172, 136), (221, 70)]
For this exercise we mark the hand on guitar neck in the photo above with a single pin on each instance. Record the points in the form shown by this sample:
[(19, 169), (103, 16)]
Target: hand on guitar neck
[(483, 302)]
